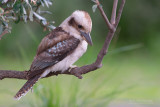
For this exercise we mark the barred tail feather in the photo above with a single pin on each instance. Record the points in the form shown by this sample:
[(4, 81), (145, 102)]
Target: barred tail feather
[(26, 87)]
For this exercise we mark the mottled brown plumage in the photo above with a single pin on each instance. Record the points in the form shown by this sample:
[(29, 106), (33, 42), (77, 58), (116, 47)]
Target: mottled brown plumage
[(52, 38), (49, 51), (26, 87), (60, 49), (52, 49)]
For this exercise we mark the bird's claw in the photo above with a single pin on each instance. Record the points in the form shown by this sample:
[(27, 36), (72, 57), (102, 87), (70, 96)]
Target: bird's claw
[(32, 90), (71, 67)]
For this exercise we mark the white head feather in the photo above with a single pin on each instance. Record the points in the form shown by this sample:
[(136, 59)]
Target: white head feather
[(81, 18)]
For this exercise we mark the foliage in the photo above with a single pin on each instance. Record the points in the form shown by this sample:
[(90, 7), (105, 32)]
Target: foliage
[(23, 10), (70, 92)]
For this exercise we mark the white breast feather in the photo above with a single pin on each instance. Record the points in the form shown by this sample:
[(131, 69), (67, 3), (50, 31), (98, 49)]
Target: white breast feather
[(69, 60)]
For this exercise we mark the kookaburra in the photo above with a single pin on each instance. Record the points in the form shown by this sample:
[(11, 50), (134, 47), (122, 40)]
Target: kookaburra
[(60, 49)]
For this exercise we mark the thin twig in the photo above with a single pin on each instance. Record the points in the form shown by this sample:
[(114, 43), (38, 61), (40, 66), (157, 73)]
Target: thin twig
[(120, 12), (104, 15), (114, 11)]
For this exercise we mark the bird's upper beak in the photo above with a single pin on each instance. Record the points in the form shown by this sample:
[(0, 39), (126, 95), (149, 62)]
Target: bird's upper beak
[(87, 37)]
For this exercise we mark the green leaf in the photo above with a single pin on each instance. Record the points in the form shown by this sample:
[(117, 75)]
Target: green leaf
[(93, 1), (44, 22), (3, 1), (13, 3), (18, 20), (27, 1), (24, 10), (51, 27), (38, 16), (31, 16), (44, 12), (21, 10), (46, 2), (1, 29), (5, 23), (94, 7), (3, 18), (9, 30), (49, 2), (16, 7), (42, 3), (1, 11), (25, 18), (11, 17), (24, 14)]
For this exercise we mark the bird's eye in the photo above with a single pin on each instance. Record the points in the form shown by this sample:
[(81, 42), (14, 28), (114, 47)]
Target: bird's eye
[(80, 26)]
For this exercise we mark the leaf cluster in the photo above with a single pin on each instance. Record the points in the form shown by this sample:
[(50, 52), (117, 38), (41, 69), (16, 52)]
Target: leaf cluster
[(23, 10)]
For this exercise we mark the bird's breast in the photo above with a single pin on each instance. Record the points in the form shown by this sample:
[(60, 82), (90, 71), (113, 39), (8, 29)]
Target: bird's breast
[(71, 58)]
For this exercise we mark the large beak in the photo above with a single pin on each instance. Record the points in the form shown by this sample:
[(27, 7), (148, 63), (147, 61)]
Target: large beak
[(87, 37)]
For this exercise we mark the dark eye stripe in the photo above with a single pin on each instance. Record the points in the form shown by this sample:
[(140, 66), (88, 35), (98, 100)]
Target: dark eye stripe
[(73, 23), (80, 26)]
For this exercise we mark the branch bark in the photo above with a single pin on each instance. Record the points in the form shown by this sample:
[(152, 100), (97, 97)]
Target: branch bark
[(114, 11), (79, 71)]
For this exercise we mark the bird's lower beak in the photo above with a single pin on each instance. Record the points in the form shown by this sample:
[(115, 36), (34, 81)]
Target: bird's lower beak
[(87, 37)]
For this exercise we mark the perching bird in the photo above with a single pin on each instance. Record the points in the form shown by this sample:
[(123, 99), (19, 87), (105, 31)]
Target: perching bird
[(60, 49)]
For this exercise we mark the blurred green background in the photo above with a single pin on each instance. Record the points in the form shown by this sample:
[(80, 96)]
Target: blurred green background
[(130, 71)]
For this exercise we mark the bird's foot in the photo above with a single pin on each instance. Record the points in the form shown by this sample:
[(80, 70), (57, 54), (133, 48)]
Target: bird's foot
[(32, 90), (71, 67)]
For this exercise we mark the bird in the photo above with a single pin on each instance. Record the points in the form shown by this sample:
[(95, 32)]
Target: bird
[(60, 49)]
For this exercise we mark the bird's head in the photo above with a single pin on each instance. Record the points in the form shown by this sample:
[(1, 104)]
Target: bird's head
[(79, 24)]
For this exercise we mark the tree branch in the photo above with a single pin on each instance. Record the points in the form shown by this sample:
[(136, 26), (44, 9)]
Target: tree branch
[(13, 74), (78, 71), (113, 17), (104, 15), (120, 12)]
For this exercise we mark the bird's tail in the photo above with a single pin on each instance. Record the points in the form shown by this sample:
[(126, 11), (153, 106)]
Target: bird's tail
[(26, 87)]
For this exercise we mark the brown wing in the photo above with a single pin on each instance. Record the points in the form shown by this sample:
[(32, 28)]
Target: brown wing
[(52, 49), (52, 38)]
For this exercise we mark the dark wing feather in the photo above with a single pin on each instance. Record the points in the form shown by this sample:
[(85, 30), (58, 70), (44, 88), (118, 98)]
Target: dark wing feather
[(53, 53), (52, 38)]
